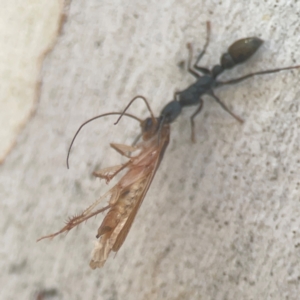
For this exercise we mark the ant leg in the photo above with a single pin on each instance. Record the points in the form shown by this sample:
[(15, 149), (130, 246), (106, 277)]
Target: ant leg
[(192, 119), (236, 80), (190, 69), (201, 69), (225, 107), (198, 68)]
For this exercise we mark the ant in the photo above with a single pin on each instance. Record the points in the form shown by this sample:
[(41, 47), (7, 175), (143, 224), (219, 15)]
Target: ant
[(240, 51)]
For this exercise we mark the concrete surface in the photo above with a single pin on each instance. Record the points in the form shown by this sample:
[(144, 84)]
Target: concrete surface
[(222, 217)]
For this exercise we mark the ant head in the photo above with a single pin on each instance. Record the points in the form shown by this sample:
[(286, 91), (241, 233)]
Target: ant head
[(149, 127), (171, 111)]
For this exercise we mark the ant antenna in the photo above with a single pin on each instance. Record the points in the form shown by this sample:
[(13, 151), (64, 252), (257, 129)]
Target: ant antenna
[(136, 97), (92, 119)]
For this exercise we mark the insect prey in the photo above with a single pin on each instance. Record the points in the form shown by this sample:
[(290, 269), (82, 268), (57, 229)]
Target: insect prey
[(125, 198)]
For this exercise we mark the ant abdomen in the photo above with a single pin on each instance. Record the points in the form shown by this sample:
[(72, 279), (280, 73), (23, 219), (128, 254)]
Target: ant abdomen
[(240, 51)]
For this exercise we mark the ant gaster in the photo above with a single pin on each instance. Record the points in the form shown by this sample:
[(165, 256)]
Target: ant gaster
[(237, 53)]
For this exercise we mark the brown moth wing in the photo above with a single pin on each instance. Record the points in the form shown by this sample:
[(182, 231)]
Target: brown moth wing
[(126, 227), (123, 234), (118, 221), (114, 222)]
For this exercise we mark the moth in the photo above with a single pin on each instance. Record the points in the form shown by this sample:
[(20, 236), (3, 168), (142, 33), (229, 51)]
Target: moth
[(126, 197)]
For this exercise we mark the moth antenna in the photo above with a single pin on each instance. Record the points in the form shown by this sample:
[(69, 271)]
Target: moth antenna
[(136, 97), (92, 119)]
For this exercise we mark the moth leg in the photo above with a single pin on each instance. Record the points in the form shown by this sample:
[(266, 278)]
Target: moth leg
[(114, 194), (109, 173), (75, 221), (123, 149)]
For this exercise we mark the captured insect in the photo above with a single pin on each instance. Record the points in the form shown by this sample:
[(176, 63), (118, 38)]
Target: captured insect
[(127, 195), (125, 198), (240, 51)]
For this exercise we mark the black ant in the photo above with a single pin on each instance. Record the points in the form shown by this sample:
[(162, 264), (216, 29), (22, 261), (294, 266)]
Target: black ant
[(238, 52)]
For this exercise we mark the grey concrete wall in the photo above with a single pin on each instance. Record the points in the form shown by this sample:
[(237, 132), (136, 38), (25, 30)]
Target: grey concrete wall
[(221, 219)]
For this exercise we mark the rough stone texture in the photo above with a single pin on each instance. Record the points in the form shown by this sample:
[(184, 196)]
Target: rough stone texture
[(222, 217), (28, 29)]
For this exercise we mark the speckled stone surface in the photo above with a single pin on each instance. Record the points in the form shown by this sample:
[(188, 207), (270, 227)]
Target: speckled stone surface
[(222, 217)]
